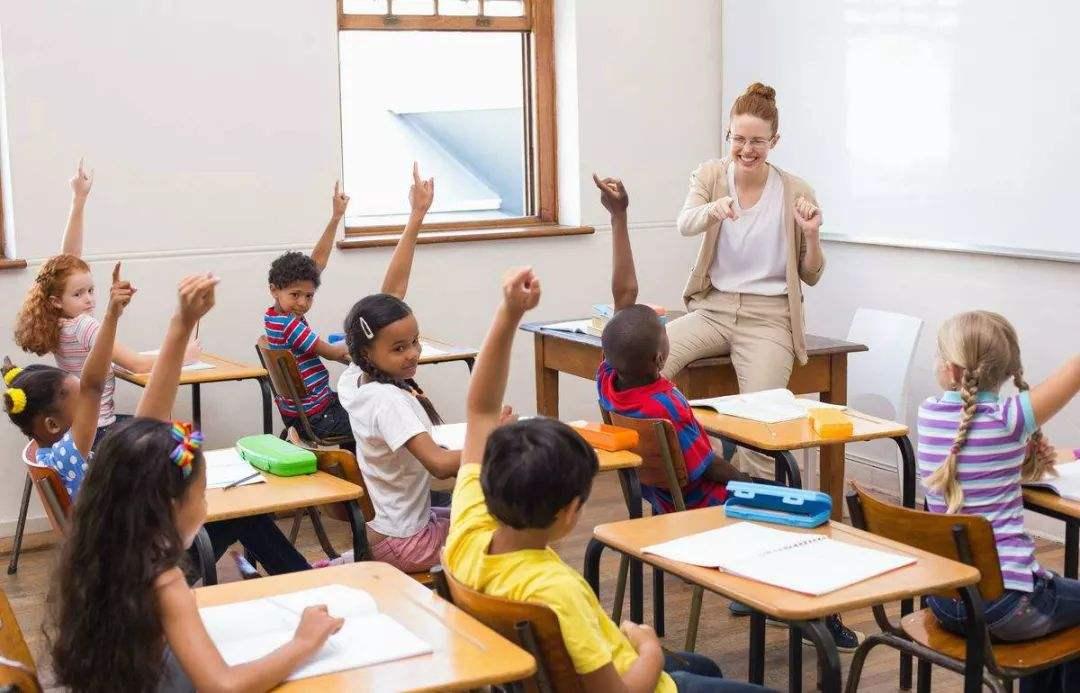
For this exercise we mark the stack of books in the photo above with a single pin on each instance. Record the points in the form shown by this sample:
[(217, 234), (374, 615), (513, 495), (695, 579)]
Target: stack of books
[(601, 315)]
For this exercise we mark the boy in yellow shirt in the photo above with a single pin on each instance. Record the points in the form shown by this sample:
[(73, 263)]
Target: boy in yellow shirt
[(522, 487)]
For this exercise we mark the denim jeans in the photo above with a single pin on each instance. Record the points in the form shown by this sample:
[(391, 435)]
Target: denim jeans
[(104, 430), (694, 673), (1053, 605), (332, 421)]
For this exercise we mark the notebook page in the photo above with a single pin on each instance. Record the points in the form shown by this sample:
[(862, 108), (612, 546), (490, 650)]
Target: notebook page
[(429, 349), (193, 366), (340, 601), (819, 567), (768, 406), (718, 548), (225, 467), (363, 641), (576, 326), (1066, 484), (449, 436), (243, 631)]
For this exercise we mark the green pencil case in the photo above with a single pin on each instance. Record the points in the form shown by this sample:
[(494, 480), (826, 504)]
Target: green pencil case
[(275, 456)]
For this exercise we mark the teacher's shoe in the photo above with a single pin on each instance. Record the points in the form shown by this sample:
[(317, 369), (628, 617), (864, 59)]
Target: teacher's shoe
[(846, 639)]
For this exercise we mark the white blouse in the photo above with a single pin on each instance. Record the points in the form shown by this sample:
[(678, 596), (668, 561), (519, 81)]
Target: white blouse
[(752, 251)]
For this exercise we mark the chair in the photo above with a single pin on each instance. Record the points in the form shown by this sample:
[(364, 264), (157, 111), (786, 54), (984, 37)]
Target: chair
[(969, 539), (18, 673), (50, 489), (534, 627), (877, 379)]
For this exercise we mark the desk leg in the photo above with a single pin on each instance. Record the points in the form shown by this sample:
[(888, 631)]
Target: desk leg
[(1072, 547), (547, 382), (268, 412), (361, 551), (632, 492), (828, 657), (907, 462), (591, 570), (787, 469), (832, 456), (20, 526), (756, 668), (196, 405), (205, 551), (794, 658)]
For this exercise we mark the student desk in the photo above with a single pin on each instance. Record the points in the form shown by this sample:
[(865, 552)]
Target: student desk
[(466, 655), (223, 370), (580, 354), (433, 351), (778, 439), (278, 494), (929, 574), (1052, 505)]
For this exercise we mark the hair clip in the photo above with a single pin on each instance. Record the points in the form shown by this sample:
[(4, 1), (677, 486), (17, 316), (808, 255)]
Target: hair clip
[(18, 400), (11, 374), (366, 328), (188, 440)]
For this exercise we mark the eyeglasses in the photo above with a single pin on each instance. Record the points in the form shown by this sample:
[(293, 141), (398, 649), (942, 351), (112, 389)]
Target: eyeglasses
[(754, 142)]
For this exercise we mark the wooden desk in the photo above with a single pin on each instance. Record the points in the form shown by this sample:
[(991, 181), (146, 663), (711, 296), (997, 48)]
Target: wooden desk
[(929, 574), (277, 494), (825, 373), (777, 440), (1053, 505), (448, 353), (224, 370), (466, 654)]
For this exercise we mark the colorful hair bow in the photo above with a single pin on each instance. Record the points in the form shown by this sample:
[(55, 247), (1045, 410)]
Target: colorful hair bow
[(188, 440)]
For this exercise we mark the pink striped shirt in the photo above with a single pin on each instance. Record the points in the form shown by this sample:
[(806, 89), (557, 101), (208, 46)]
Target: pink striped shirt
[(77, 337)]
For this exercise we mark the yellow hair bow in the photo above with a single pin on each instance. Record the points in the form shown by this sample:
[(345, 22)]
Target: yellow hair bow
[(10, 376), (18, 400)]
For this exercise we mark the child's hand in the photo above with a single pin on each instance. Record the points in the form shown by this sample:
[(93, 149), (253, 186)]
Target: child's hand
[(196, 297), (507, 415), (639, 635), (120, 294), (316, 625), (521, 290), (613, 194), (81, 182), (340, 202), (422, 191), (807, 216), (192, 352), (724, 208)]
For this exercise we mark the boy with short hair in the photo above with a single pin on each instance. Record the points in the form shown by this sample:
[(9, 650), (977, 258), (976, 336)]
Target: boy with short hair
[(520, 487)]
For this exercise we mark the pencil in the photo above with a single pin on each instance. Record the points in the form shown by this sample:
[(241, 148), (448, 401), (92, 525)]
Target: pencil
[(240, 481)]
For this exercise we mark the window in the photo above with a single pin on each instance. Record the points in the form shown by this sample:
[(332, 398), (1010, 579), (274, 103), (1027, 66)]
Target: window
[(467, 89)]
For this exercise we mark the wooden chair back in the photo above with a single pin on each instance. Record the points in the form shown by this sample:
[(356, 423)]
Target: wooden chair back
[(934, 533), (18, 672), (285, 380), (50, 489), (662, 463), (342, 464), (534, 627)]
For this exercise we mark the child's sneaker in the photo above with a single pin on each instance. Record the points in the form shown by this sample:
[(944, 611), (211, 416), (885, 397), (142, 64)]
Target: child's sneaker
[(846, 639), (344, 558)]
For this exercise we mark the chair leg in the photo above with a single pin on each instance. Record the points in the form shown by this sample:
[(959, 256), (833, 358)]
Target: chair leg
[(695, 617), (320, 532), (620, 588), (295, 529), (658, 601), (923, 685), (20, 526)]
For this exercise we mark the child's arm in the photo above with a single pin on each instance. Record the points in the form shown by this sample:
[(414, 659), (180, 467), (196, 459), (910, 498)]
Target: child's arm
[(521, 293), (321, 254), (96, 368), (643, 674), (721, 471), (1051, 395), (624, 284), (333, 352), (200, 658), (440, 463), (81, 182), (196, 300), (422, 192)]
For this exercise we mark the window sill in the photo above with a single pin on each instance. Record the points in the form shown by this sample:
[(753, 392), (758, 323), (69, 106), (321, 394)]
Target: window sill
[(6, 264), (464, 235)]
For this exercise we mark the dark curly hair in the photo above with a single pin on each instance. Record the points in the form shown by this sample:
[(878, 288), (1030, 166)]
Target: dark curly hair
[(105, 631), (293, 267), (41, 386), (378, 311)]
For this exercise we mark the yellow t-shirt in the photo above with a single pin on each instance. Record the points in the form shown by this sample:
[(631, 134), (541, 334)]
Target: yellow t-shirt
[(535, 575)]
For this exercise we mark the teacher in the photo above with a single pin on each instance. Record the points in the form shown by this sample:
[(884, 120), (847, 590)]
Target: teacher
[(761, 243)]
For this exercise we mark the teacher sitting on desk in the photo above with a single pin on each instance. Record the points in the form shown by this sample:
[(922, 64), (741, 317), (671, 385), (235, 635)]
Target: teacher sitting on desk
[(760, 244)]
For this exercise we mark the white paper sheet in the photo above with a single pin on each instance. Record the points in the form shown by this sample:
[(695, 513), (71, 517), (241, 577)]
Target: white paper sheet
[(449, 436), (1066, 484), (575, 326), (429, 349), (224, 467), (767, 406)]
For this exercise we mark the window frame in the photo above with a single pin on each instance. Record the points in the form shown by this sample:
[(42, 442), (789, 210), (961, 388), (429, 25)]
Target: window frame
[(541, 175)]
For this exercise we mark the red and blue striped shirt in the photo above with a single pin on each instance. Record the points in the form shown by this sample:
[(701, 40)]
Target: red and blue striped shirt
[(662, 400), (288, 331)]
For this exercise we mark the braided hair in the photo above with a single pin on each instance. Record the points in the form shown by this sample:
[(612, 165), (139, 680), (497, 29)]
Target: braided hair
[(37, 329), (362, 326)]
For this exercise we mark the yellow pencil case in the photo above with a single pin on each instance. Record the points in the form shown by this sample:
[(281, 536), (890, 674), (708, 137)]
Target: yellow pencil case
[(606, 437), (831, 423)]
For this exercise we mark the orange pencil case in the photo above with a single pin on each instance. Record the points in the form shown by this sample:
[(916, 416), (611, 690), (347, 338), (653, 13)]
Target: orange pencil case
[(831, 423), (606, 437)]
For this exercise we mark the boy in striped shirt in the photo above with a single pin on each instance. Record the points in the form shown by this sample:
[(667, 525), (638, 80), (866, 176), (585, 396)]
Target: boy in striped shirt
[(294, 278)]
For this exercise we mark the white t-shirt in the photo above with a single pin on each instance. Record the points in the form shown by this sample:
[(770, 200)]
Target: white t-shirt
[(752, 251), (385, 417)]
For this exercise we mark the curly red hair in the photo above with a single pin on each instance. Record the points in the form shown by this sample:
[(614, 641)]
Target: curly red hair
[(37, 329)]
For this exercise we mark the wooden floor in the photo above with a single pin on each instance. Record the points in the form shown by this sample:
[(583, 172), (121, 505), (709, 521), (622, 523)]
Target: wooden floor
[(721, 635)]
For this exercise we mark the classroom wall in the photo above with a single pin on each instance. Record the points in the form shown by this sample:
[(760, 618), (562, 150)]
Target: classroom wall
[(214, 131)]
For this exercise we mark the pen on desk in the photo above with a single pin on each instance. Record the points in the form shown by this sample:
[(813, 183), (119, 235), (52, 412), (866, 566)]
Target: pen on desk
[(240, 481)]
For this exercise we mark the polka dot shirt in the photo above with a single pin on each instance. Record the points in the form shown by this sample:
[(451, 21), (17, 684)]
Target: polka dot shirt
[(65, 458)]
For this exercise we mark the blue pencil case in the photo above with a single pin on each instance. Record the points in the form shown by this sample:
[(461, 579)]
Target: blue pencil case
[(794, 507), (335, 338)]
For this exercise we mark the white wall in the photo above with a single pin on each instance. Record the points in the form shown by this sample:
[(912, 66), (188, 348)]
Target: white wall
[(214, 131)]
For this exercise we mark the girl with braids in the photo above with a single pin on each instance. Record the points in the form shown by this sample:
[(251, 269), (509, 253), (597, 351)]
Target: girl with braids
[(976, 448)]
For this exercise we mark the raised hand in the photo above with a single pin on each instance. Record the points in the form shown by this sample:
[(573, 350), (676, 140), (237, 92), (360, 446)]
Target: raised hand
[(196, 297), (613, 194), (807, 215), (521, 290), (507, 415), (81, 182), (340, 201), (120, 294), (724, 208), (422, 192), (316, 626)]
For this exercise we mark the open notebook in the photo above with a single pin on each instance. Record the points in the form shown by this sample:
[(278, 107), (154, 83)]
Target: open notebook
[(807, 563), (449, 436), (245, 631), (193, 366), (226, 467), (767, 406), (1066, 484)]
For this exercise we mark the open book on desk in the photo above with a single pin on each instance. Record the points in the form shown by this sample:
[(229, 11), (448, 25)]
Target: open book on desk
[(767, 406), (1066, 484), (226, 468), (808, 563), (187, 368), (246, 631)]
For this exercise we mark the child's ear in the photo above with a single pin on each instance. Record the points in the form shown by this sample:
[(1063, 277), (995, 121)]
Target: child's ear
[(956, 373), (661, 359), (53, 426), (56, 302)]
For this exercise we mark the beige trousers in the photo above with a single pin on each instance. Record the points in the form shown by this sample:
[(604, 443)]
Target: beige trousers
[(755, 330)]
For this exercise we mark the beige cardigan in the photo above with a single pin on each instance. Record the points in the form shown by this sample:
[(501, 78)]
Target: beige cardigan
[(709, 183)]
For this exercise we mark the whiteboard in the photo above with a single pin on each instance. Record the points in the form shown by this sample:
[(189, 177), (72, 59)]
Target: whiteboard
[(948, 124)]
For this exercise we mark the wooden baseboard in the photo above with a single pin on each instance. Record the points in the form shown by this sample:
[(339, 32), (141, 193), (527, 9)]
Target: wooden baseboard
[(31, 542)]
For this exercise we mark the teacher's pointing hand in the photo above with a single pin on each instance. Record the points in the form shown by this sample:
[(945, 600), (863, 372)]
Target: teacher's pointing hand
[(807, 215), (724, 208)]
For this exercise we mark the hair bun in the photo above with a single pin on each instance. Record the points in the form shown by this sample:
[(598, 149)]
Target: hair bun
[(15, 401), (762, 90)]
